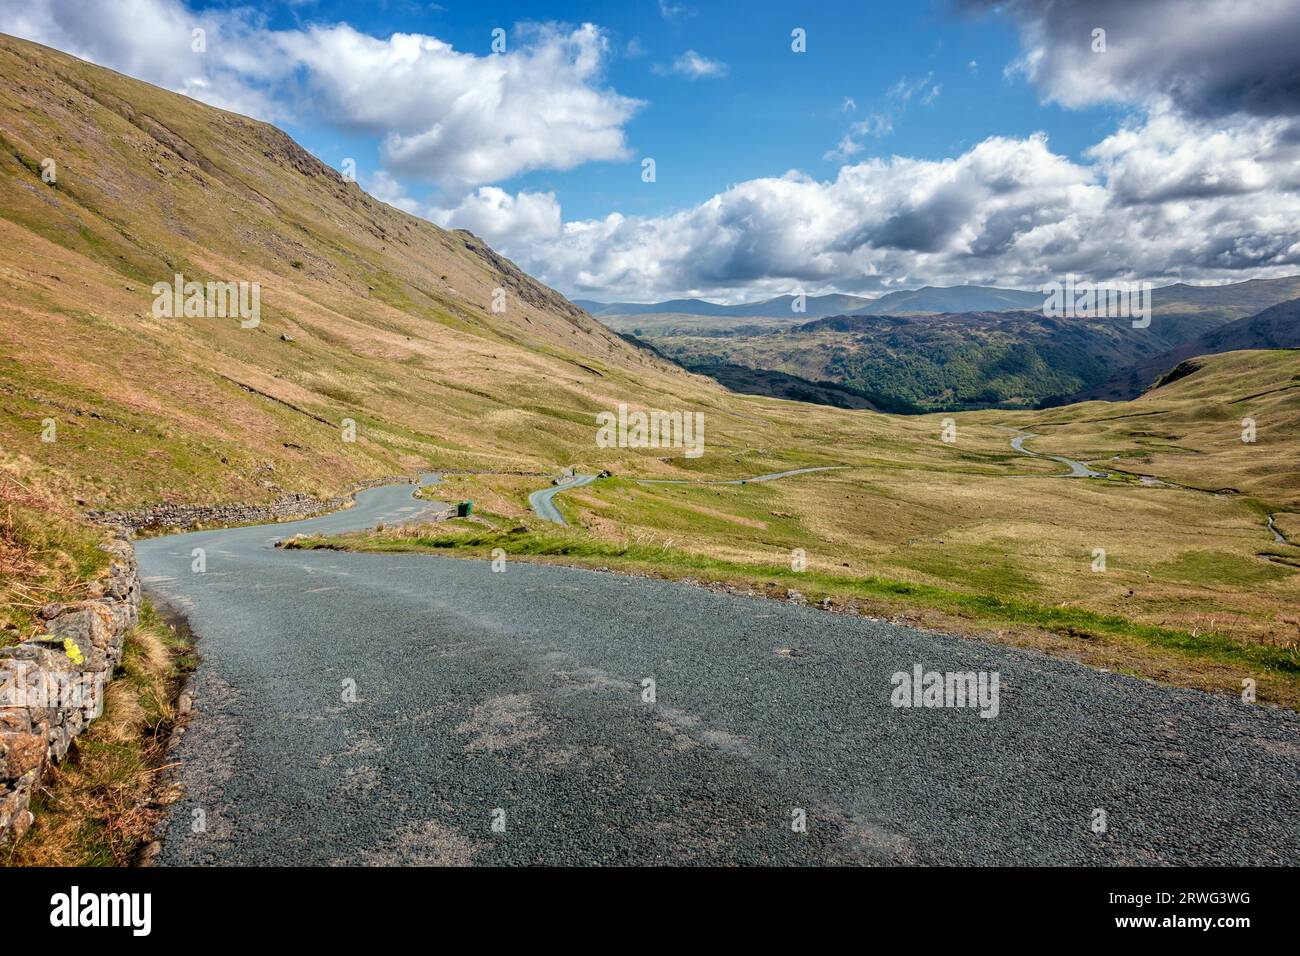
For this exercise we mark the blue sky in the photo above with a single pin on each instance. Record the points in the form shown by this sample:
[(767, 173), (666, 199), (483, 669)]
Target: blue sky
[(772, 110), (942, 142)]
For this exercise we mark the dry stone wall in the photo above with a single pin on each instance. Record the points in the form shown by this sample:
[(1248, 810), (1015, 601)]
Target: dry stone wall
[(52, 686), (289, 506)]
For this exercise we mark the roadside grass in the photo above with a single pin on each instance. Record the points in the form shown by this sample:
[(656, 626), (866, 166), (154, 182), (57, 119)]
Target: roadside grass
[(1200, 658), (45, 555), (99, 806)]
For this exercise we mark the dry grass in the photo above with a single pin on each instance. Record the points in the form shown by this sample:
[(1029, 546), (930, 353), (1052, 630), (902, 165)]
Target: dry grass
[(46, 553)]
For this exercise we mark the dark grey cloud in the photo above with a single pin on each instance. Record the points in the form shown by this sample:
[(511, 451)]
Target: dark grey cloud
[(1209, 58)]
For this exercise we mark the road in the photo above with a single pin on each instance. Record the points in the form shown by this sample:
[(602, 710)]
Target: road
[(518, 697), (542, 502), (1077, 468)]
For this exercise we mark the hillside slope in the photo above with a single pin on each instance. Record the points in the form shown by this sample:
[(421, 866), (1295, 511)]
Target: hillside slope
[(367, 313), (1277, 327)]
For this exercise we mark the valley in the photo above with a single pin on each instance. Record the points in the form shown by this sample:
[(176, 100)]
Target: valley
[(876, 488), (388, 326), (918, 361)]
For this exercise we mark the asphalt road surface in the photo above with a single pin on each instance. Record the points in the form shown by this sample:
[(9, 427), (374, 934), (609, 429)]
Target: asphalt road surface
[(390, 709), (541, 500), (1077, 468)]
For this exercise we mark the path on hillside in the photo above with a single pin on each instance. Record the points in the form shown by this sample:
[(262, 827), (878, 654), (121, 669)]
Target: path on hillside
[(385, 708)]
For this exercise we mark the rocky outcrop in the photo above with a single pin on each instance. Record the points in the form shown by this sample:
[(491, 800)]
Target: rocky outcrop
[(52, 686), (288, 507)]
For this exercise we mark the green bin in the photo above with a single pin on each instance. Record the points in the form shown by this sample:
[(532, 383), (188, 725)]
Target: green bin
[(464, 509)]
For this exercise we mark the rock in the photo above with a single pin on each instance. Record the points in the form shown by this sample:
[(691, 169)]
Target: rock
[(15, 818), (21, 754), (286, 337), (90, 627), (51, 611)]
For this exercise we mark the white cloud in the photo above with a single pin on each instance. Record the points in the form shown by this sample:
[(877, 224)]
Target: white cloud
[(1203, 183), (445, 117), (693, 66), (460, 120), (1146, 204), (512, 224), (675, 11), (880, 123), (153, 40)]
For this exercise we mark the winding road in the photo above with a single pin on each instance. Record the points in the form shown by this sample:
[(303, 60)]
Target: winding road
[(404, 708), (542, 502), (1077, 468)]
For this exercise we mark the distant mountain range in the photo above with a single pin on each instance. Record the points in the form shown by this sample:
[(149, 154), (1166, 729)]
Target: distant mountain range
[(961, 298), (1009, 357), (779, 307)]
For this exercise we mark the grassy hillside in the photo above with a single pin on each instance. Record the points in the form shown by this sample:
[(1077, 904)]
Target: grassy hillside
[(367, 313), (375, 316), (973, 537)]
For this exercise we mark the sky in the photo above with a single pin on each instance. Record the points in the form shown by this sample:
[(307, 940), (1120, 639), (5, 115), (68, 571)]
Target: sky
[(855, 147)]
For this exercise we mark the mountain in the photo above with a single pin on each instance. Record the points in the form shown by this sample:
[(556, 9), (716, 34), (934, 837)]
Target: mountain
[(965, 298), (961, 360), (952, 360), (368, 315), (1277, 327), (815, 306), (960, 298)]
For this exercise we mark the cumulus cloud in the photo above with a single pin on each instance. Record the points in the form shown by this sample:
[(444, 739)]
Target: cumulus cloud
[(513, 224), (1206, 59), (1201, 181), (460, 120), (1165, 199), (155, 40), (445, 117)]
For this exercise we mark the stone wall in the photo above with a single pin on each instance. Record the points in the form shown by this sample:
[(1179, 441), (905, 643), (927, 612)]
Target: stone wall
[(289, 506), (52, 686)]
